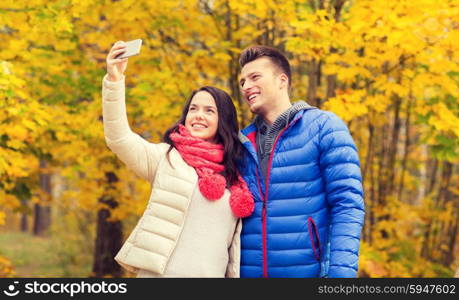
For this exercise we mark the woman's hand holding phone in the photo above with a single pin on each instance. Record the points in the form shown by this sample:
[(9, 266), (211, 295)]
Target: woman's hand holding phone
[(116, 66)]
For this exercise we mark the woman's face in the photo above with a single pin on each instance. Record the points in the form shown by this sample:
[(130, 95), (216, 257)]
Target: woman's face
[(202, 117)]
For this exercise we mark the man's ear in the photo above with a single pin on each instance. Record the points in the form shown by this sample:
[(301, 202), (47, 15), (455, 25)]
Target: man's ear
[(283, 81)]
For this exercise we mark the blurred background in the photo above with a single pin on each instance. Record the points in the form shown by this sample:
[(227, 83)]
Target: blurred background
[(389, 69)]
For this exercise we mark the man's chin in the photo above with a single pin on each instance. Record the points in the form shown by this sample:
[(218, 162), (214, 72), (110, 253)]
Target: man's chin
[(254, 109)]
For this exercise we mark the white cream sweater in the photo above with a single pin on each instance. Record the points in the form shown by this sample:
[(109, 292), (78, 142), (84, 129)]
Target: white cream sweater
[(181, 233)]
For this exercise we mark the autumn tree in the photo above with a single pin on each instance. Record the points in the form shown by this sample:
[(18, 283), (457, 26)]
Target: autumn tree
[(387, 68)]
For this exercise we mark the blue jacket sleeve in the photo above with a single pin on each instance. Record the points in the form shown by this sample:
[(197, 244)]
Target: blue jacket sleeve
[(340, 166)]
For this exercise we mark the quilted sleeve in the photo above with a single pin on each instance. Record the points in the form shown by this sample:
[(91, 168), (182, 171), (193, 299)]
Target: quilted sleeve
[(138, 154), (340, 166)]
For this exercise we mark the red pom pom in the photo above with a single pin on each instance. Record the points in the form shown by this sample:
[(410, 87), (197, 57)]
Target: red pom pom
[(212, 186), (241, 202)]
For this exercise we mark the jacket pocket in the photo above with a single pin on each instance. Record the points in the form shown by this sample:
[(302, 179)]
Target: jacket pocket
[(314, 237)]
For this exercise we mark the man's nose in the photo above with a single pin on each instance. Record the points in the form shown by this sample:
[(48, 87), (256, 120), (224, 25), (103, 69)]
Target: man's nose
[(247, 86)]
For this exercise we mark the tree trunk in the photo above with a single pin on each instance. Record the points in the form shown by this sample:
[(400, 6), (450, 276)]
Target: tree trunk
[(331, 86), (444, 196), (370, 200), (42, 210), (41, 219), (24, 222), (447, 172), (453, 233), (108, 238), (422, 190), (313, 82), (25, 212), (233, 67), (369, 158), (432, 235), (332, 79), (313, 4), (373, 201), (382, 177), (393, 146), (321, 4), (338, 5), (406, 149)]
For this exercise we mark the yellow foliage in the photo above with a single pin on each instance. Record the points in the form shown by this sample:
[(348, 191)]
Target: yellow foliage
[(348, 105), (443, 119), (2, 218), (6, 268), (378, 102), (52, 61)]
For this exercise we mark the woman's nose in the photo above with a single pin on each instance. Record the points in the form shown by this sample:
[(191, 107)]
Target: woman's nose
[(199, 115)]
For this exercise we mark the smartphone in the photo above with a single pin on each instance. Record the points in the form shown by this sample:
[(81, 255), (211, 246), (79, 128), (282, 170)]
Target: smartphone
[(132, 48)]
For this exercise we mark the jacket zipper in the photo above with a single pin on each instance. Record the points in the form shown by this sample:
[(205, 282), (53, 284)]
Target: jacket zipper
[(314, 236), (265, 199), (263, 227)]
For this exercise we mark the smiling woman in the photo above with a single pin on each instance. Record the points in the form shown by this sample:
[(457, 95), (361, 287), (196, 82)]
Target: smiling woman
[(202, 117), (191, 227)]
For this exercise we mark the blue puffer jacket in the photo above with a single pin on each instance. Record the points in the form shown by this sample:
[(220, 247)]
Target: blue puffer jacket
[(307, 221)]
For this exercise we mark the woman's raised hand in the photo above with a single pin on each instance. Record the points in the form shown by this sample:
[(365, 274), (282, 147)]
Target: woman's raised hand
[(116, 66)]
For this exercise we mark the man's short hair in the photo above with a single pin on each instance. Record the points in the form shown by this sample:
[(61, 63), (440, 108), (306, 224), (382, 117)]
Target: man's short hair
[(277, 58)]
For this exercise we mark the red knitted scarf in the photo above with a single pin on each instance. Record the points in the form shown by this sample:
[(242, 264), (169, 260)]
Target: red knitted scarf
[(206, 158)]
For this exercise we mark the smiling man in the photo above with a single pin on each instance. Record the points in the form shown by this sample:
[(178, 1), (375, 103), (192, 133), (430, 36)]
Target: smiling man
[(302, 166)]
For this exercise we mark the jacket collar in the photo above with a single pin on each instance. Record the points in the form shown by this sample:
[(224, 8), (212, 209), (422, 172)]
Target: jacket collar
[(297, 109), (247, 136)]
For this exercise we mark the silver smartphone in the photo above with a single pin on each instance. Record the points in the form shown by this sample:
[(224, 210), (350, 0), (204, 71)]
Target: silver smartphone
[(132, 48)]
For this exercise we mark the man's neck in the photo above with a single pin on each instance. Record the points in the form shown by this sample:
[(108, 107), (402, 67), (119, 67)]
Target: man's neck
[(272, 114)]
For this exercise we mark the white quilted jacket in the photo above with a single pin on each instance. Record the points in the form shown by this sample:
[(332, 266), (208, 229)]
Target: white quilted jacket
[(151, 243)]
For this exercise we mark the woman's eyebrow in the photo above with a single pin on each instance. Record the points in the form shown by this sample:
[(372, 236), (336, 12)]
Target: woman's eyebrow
[(205, 106)]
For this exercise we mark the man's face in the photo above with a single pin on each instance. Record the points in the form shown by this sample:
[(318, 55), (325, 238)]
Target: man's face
[(260, 84)]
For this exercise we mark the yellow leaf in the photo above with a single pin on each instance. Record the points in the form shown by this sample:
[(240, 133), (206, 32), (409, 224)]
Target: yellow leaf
[(17, 132), (15, 144), (2, 218)]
